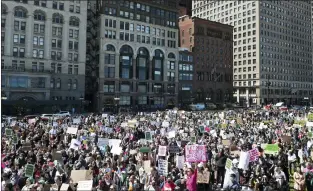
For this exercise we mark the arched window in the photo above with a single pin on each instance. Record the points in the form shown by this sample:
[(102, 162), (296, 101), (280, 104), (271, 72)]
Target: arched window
[(69, 84), (4, 9), (171, 56), (20, 12), (57, 18), (126, 64), (58, 83), (110, 47), (39, 15), (75, 85), (142, 69), (158, 53), (74, 21), (52, 83)]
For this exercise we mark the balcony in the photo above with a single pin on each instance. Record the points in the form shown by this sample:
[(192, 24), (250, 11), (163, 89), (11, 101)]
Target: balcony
[(18, 69)]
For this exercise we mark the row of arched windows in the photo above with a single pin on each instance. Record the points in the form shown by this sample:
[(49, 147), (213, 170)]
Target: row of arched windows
[(40, 15), (56, 84), (141, 51)]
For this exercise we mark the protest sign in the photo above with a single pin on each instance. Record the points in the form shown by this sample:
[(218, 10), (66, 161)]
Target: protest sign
[(64, 187), (148, 136), (29, 170), (271, 149), (81, 175), (72, 130), (165, 124), (193, 139), (286, 139), (244, 160), (173, 149), (15, 139), (76, 121), (31, 121), (103, 142), (26, 147), (229, 164), (75, 144), (254, 155), (57, 155), (171, 134), (162, 151), (85, 185), (8, 132), (144, 150), (310, 117), (195, 153), (180, 160), (226, 142), (162, 167), (147, 166), (203, 177)]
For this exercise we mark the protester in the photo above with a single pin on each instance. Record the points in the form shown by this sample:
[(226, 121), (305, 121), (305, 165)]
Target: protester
[(163, 151)]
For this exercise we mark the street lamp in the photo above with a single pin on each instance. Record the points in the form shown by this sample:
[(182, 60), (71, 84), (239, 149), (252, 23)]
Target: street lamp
[(81, 103)]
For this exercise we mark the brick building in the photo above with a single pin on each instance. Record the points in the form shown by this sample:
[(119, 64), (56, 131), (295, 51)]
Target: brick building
[(212, 47)]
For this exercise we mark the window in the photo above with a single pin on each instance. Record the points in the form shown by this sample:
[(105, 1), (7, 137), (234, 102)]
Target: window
[(171, 65), (75, 84), (39, 16), (71, 9), (52, 83), (57, 31), (74, 21), (109, 59), (170, 76), (70, 69), (76, 69), (22, 52), (142, 100), (57, 18), (41, 67), (109, 72), (3, 23), (18, 82), (59, 68), (53, 67), (124, 100), (77, 9), (58, 83), (69, 84), (20, 12), (109, 88)]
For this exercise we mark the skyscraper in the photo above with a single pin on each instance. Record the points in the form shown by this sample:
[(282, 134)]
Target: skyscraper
[(43, 54), (272, 48), (133, 52)]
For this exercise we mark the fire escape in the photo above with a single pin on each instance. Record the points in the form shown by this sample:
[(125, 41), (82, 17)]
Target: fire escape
[(92, 54)]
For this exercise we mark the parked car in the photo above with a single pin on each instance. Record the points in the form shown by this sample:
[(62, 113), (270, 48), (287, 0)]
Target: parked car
[(63, 114), (47, 116), (211, 106)]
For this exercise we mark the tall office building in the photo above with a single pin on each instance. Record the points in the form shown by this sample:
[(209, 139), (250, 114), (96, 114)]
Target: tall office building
[(272, 48), (212, 47), (43, 48), (133, 53)]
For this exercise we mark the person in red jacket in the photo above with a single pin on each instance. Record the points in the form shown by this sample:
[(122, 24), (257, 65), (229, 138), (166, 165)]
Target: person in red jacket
[(169, 185)]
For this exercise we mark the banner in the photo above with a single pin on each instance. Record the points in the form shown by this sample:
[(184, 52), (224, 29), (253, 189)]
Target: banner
[(195, 153)]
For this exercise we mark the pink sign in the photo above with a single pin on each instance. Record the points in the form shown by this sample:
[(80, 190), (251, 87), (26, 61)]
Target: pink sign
[(195, 153), (254, 155)]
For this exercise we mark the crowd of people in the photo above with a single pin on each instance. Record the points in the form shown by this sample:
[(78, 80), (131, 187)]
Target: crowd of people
[(174, 150)]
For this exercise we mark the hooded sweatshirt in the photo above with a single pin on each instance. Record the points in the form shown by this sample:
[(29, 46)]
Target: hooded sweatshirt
[(192, 182)]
